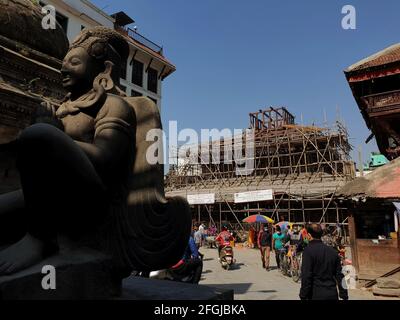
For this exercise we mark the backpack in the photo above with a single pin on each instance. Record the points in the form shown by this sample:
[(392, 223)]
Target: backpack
[(265, 239)]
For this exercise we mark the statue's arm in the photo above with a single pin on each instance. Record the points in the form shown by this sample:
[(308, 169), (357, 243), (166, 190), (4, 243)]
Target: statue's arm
[(114, 134), (108, 148), (46, 113)]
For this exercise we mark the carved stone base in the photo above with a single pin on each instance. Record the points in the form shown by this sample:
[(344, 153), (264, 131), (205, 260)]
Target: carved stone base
[(85, 274), (135, 288), (80, 274)]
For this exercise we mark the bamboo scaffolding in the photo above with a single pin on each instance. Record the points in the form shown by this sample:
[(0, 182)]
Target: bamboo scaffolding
[(303, 165)]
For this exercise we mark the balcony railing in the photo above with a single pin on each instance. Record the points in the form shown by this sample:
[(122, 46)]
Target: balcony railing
[(384, 101), (141, 39)]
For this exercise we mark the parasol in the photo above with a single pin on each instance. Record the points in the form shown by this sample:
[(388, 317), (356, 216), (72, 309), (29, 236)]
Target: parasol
[(258, 218)]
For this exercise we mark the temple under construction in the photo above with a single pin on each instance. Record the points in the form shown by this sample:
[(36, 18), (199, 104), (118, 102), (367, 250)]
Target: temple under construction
[(297, 170)]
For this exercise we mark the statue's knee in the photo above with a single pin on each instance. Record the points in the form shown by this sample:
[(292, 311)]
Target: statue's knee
[(40, 132)]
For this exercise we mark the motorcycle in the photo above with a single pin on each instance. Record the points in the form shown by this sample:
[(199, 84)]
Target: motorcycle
[(226, 257)]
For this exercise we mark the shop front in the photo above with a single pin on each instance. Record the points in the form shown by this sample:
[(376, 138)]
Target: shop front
[(374, 208)]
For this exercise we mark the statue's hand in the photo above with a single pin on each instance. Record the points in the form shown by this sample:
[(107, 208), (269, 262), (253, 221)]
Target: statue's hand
[(46, 110), (46, 113)]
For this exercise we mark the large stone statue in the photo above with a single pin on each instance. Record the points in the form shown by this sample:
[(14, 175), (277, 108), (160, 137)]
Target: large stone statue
[(85, 177)]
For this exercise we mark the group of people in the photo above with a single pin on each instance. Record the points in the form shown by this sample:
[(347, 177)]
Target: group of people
[(201, 232), (191, 264), (276, 237), (321, 268)]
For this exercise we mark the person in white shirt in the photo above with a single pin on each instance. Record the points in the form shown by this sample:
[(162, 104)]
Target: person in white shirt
[(202, 229)]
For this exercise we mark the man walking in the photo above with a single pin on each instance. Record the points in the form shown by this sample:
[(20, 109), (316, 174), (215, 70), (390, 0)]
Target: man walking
[(264, 242), (278, 244), (202, 229), (321, 270), (198, 237)]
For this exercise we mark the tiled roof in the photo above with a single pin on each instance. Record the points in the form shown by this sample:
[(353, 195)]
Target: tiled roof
[(382, 183), (386, 56), (152, 52)]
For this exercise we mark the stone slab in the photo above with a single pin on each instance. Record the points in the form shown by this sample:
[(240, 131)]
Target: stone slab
[(385, 292), (80, 274), (136, 288), (388, 283)]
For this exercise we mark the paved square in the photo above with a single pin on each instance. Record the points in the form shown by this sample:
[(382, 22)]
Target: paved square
[(251, 282)]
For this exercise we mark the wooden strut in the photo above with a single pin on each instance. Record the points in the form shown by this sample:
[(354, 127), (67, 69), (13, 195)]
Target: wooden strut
[(149, 65), (371, 283), (133, 57), (323, 156), (326, 209), (162, 72), (297, 166), (224, 199), (316, 147), (209, 213), (275, 155)]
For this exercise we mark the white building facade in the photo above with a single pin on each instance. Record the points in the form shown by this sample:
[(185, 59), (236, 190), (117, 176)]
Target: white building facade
[(146, 66)]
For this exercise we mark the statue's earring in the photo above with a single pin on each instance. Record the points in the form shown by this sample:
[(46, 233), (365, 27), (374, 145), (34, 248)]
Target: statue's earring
[(104, 79)]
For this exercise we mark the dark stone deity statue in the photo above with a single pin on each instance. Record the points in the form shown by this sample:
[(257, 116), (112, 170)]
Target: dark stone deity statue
[(85, 177)]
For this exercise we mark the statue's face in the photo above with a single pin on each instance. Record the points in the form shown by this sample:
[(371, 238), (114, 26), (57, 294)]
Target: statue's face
[(76, 70)]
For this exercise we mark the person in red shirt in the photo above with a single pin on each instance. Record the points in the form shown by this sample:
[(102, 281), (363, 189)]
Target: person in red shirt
[(224, 239)]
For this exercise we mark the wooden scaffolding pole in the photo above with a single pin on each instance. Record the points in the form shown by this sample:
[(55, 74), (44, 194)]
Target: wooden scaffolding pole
[(198, 213)]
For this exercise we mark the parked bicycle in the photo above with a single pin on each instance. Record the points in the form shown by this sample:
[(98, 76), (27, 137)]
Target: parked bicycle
[(284, 261), (295, 266)]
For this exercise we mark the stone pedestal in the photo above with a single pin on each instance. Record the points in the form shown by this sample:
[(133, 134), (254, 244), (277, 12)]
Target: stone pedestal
[(85, 274), (80, 274), (135, 288)]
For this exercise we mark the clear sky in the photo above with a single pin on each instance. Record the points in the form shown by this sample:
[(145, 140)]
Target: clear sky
[(234, 57)]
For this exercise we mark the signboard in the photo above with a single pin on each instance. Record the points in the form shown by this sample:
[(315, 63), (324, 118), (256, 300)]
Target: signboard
[(251, 196), (205, 198)]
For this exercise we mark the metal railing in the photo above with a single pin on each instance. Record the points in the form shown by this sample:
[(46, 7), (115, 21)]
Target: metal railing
[(133, 34)]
